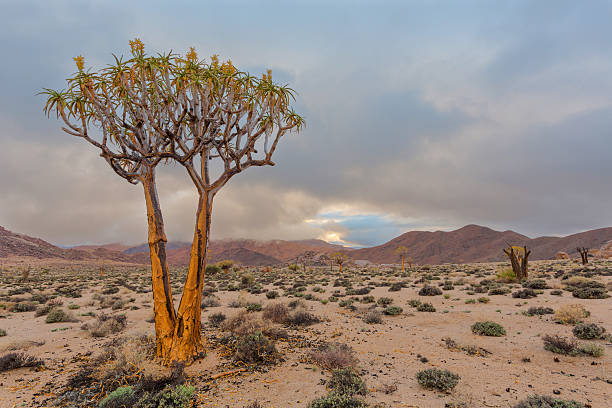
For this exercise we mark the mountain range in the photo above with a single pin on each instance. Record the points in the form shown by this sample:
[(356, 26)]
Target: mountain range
[(472, 243)]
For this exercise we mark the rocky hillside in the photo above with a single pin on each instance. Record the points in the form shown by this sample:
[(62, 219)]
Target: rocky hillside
[(474, 243)]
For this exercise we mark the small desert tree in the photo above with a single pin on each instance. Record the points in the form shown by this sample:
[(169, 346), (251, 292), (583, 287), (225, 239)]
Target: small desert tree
[(339, 258), (194, 113), (584, 254), (519, 257), (402, 251)]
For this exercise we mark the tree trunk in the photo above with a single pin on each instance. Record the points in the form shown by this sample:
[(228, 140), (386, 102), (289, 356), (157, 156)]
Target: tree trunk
[(163, 307), (187, 339), (402, 263)]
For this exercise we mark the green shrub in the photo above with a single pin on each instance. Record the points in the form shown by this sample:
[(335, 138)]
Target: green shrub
[(430, 291), (2, 332), (535, 284), (541, 401), (483, 300), (174, 397), (590, 349), (253, 307), (384, 301), (393, 310), (525, 294), (59, 315), (539, 311), (488, 329), (23, 307), (335, 400), (435, 378), (272, 294), (502, 290), (590, 293), (120, 398), (414, 302), (426, 307), (346, 381), (255, 348), (589, 331), (560, 345), (212, 270)]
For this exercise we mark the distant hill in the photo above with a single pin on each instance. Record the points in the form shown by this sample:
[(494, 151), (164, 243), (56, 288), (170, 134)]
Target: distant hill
[(474, 243), (471, 243)]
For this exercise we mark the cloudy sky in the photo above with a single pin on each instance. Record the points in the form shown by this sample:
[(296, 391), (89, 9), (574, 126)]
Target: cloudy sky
[(420, 115)]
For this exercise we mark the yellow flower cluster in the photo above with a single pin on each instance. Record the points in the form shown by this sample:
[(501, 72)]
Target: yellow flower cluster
[(79, 62), (137, 46), (192, 55)]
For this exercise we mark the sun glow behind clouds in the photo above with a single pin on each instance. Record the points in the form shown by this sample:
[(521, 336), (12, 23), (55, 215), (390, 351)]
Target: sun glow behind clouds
[(348, 226)]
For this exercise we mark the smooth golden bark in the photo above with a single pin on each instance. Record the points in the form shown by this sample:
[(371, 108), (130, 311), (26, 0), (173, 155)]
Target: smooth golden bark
[(163, 307), (187, 339)]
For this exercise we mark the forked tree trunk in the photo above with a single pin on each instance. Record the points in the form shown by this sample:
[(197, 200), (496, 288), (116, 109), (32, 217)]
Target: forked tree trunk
[(519, 264), (402, 263), (584, 254), (163, 307), (187, 338)]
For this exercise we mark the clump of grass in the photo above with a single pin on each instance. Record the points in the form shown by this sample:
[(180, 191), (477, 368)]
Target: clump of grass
[(506, 275), (437, 379), (488, 329), (373, 317), (571, 314)]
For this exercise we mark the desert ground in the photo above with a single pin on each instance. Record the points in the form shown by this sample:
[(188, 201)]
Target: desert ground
[(275, 336)]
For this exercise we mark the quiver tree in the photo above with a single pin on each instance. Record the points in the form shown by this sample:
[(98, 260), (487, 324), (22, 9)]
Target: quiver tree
[(150, 109), (339, 258), (518, 259), (402, 251), (584, 254)]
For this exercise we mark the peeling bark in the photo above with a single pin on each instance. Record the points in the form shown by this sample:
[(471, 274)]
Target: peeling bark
[(163, 307), (187, 338)]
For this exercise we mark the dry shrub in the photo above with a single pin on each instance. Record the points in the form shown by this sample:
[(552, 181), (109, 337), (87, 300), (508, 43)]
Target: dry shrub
[(571, 314), (22, 345), (126, 356), (12, 361), (333, 356), (276, 312), (244, 323), (107, 324), (301, 317)]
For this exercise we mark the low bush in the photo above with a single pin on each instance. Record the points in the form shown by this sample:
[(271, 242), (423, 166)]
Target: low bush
[(426, 307), (430, 291), (253, 307), (571, 314), (437, 379), (215, 319), (23, 307), (525, 294), (541, 401), (107, 324), (539, 311), (559, 344), (346, 381), (210, 301), (501, 290), (12, 361), (589, 331), (384, 301), (334, 356), (272, 294), (393, 310), (590, 293), (59, 315), (373, 317), (535, 284), (255, 348), (120, 398), (301, 317), (335, 400), (488, 329), (276, 312), (590, 349)]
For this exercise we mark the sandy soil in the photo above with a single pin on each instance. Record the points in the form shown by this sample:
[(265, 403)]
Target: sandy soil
[(390, 353)]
